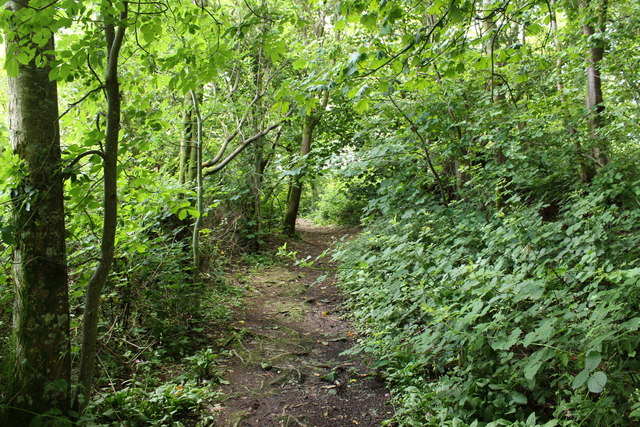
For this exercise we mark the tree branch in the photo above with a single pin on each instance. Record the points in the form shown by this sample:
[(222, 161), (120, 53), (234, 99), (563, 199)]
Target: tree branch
[(414, 128), (212, 168), (82, 156), (74, 104)]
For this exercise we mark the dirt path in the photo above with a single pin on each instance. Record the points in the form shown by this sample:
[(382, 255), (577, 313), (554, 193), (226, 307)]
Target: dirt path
[(286, 368)]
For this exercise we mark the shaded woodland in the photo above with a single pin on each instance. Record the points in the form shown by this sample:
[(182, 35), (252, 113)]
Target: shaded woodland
[(487, 151)]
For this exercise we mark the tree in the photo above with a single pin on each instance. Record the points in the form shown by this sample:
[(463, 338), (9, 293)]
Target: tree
[(310, 121), (114, 31), (594, 14), (42, 376)]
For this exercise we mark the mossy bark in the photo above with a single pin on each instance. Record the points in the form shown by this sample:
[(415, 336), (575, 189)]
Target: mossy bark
[(41, 381), (186, 147)]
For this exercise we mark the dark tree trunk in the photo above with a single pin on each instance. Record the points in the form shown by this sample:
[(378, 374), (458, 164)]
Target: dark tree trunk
[(295, 190), (114, 37), (41, 379), (186, 147)]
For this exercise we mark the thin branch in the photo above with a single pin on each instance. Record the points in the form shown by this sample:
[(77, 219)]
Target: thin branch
[(414, 128), (513, 98), (213, 169), (265, 18), (82, 156), (75, 104), (94, 71), (406, 48), (231, 137)]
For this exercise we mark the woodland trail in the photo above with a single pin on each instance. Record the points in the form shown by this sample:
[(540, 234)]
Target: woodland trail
[(286, 368)]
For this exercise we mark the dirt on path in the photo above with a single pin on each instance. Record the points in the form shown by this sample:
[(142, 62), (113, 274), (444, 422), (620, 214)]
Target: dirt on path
[(285, 367)]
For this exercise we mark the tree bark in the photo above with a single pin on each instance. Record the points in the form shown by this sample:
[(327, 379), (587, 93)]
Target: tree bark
[(295, 189), (42, 370), (595, 25), (186, 147), (114, 35), (195, 243)]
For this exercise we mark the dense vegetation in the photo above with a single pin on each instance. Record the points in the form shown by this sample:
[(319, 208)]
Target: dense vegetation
[(496, 276)]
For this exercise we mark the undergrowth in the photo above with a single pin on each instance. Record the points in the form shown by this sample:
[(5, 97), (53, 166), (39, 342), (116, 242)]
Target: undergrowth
[(500, 317), (148, 399)]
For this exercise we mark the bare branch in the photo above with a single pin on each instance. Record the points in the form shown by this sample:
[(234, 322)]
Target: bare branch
[(211, 169), (75, 104), (231, 137)]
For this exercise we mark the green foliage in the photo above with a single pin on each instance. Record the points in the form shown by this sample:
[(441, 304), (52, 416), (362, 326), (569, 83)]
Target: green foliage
[(502, 315), (341, 201), (205, 366), (495, 286), (170, 404)]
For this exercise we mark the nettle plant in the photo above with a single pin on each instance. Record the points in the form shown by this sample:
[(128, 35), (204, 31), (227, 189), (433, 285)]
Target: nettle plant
[(501, 316)]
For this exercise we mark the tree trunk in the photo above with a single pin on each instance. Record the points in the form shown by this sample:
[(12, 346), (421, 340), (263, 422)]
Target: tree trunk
[(114, 38), (186, 147), (594, 100), (295, 191), (582, 164), (195, 242), (41, 378)]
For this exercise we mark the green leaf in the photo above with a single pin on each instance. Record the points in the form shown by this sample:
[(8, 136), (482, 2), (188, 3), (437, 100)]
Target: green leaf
[(597, 382), (592, 361), (149, 32), (11, 65), (369, 20), (528, 339), (580, 379), (22, 57), (507, 342), (534, 29), (361, 106), (545, 331), (519, 398), (300, 64), (532, 367), (632, 324)]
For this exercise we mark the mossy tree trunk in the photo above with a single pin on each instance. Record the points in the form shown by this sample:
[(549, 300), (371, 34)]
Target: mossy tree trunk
[(41, 381)]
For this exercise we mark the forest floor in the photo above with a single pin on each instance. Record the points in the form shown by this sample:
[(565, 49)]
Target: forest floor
[(286, 367)]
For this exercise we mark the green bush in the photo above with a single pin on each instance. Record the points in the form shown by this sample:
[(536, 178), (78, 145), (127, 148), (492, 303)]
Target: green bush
[(170, 404), (339, 205), (479, 316)]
